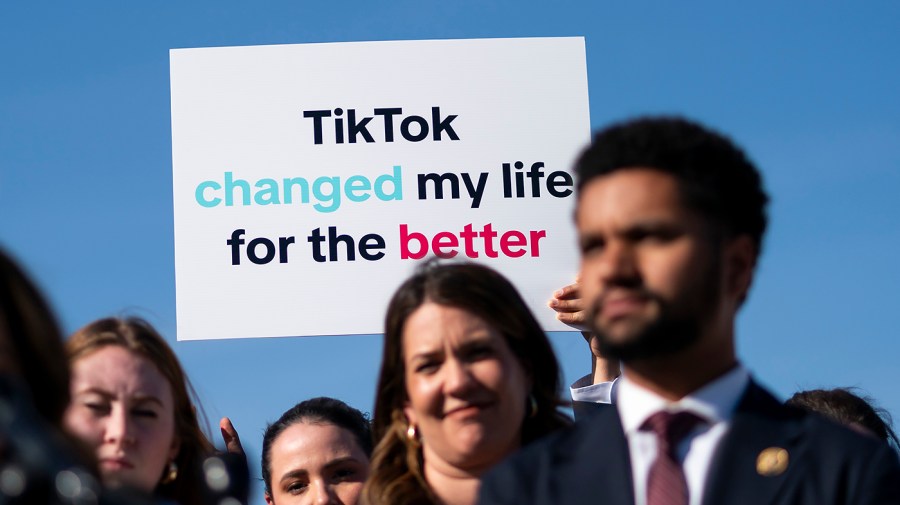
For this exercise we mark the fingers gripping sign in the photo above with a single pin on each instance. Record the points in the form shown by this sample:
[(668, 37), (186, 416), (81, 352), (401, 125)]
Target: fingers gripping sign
[(570, 308)]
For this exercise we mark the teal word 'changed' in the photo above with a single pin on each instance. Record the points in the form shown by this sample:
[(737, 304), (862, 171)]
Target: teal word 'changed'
[(325, 190)]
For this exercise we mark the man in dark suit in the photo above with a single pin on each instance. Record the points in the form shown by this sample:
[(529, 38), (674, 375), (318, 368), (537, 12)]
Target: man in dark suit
[(670, 220)]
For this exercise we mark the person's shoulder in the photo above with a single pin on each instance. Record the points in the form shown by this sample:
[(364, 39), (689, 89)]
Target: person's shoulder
[(845, 461), (824, 461), (596, 425), (864, 464), (823, 436), (559, 460), (549, 448)]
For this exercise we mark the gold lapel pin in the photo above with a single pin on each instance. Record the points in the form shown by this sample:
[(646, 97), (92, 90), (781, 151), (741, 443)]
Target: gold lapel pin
[(772, 462)]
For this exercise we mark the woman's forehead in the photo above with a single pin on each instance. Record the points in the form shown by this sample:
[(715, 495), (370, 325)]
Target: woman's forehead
[(121, 372)]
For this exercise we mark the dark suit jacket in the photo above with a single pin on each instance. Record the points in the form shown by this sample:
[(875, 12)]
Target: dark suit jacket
[(583, 410), (589, 463)]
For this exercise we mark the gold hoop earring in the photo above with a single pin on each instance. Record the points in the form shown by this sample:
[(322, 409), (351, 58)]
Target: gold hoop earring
[(171, 473), (532, 408)]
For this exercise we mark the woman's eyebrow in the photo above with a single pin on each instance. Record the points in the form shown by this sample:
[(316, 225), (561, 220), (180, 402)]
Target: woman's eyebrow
[(106, 395), (425, 354), (293, 474), (341, 461), (147, 399), (93, 390)]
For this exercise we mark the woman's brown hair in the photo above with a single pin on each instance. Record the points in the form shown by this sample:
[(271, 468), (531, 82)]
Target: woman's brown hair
[(397, 476), (139, 337)]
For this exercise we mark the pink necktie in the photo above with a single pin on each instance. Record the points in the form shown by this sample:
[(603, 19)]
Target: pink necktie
[(666, 484)]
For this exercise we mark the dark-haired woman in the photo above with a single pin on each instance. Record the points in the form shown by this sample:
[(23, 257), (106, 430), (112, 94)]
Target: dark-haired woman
[(467, 377), (316, 453)]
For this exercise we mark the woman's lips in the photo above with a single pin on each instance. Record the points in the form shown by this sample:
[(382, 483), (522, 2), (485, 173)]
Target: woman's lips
[(467, 410), (115, 464)]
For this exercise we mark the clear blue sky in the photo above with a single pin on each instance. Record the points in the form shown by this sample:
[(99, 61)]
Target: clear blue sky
[(810, 90)]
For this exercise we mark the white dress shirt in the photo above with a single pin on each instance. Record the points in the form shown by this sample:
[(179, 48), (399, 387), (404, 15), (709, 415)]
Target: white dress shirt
[(584, 390), (714, 402)]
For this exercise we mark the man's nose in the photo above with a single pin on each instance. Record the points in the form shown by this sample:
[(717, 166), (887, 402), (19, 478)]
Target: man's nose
[(618, 264)]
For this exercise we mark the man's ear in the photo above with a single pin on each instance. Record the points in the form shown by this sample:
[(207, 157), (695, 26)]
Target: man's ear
[(269, 500), (740, 264)]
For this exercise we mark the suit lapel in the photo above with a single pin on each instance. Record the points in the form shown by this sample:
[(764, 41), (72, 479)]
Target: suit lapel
[(748, 466)]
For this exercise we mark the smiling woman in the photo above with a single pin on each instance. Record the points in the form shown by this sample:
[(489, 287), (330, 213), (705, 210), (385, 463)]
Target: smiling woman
[(316, 452), (467, 377), (131, 405)]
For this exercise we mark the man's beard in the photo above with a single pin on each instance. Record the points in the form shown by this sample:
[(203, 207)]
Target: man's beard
[(677, 326)]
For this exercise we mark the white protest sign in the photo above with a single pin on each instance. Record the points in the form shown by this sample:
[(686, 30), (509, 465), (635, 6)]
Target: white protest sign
[(309, 180)]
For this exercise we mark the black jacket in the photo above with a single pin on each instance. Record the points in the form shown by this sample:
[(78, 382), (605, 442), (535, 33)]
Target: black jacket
[(589, 463)]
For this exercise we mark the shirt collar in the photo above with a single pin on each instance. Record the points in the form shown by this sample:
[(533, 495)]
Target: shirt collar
[(715, 402)]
